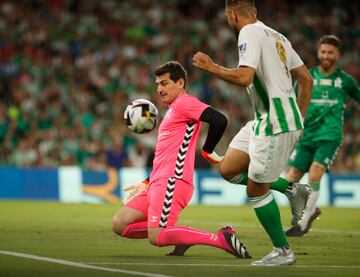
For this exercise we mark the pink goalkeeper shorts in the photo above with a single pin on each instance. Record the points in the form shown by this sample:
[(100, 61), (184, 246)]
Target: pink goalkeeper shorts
[(163, 201)]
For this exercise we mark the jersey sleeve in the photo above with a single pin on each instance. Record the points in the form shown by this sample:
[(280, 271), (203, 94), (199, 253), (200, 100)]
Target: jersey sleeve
[(354, 90), (295, 60), (191, 108), (249, 47)]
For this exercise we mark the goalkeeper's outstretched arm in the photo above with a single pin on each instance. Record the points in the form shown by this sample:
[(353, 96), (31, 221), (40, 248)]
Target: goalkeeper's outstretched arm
[(217, 125)]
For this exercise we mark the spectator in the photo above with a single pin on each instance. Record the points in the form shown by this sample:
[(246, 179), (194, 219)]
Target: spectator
[(76, 65)]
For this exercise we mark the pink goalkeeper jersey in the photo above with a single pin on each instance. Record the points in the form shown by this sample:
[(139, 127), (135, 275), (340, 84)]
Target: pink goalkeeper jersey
[(177, 139)]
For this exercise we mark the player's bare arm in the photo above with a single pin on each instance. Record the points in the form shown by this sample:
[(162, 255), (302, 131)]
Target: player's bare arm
[(302, 75), (241, 76)]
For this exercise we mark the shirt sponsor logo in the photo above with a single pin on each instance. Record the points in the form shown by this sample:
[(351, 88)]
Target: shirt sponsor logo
[(326, 82), (324, 102)]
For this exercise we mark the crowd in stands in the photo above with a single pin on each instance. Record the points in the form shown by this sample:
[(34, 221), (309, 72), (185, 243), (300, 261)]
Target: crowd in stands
[(69, 68)]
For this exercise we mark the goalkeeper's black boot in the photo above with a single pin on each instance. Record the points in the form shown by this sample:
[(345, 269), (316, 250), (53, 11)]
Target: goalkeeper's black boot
[(235, 247), (179, 250)]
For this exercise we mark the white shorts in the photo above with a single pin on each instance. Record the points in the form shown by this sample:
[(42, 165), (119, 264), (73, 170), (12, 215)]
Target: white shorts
[(268, 154)]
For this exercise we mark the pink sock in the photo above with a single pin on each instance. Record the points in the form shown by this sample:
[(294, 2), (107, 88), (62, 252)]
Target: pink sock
[(137, 230), (180, 235)]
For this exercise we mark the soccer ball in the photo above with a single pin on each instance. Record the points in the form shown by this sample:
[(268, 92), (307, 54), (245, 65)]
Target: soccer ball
[(141, 116)]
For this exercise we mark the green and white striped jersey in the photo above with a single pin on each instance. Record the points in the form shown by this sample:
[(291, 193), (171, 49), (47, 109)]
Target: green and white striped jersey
[(271, 92)]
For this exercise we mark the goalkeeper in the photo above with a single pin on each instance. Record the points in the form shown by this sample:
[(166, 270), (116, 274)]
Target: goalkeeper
[(323, 126), (152, 213)]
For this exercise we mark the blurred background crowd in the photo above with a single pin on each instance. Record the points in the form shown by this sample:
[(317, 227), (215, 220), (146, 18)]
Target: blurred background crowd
[(68, 69)]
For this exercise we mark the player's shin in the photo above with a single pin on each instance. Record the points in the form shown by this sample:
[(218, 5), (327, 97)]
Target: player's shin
[(310, 205), (137, 230), (268, 214), (225, 239), (181, 235)]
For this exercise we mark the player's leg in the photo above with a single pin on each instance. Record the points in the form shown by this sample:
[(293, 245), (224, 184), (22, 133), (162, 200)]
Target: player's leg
[(324, 155), (131, 221), (310, 213), (269, 155), (235, 165), (299, 200), (299, 163), (293, 174), (268, 214), (165, 205)]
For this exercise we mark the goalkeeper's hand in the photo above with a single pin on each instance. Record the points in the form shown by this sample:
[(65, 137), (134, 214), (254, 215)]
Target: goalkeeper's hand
[(212, 157), (134, 190)]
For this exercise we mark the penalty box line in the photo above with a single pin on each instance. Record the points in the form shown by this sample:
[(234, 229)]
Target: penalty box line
[(79, 265)]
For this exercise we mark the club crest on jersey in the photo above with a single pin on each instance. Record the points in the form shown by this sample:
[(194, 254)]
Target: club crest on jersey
[(338, 82), (242, 47)]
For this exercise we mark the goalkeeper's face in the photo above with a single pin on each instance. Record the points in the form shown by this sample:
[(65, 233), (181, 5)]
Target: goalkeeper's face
[(168, 89), (328, 54)]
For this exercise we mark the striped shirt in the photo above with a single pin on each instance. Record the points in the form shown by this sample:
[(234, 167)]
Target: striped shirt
[(272, 93)]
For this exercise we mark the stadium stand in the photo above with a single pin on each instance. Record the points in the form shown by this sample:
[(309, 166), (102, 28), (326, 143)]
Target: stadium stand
[(69, 68)]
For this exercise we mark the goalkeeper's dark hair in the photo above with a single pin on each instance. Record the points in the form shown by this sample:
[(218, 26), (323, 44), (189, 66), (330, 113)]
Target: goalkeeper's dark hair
[(330, 39), (176, 70)]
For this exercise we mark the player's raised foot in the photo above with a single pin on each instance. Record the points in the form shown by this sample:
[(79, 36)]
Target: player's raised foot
[(298, 195), (232, 244), (304, 224), (294, 231), (179, 250), (277, 257)]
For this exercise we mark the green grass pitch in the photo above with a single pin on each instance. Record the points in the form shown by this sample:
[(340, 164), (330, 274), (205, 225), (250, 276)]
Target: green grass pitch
[(81, 233)]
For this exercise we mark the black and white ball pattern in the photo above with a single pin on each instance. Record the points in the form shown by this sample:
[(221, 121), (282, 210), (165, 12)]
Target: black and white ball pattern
[(141, 116)]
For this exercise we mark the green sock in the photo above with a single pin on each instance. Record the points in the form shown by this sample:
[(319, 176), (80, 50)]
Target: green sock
[(268, 214), (240, 179), (280, 185)]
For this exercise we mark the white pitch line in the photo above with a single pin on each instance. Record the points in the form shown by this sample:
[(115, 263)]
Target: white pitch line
[(80, 265), (255, 226), (230, 265)]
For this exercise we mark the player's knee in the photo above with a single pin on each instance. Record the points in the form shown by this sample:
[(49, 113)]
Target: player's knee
[(293, 175), (250, 192), (225, 172), (256, 190), (289, 174), (222, 170), (317, 170), (153, 238), (118, 226)]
